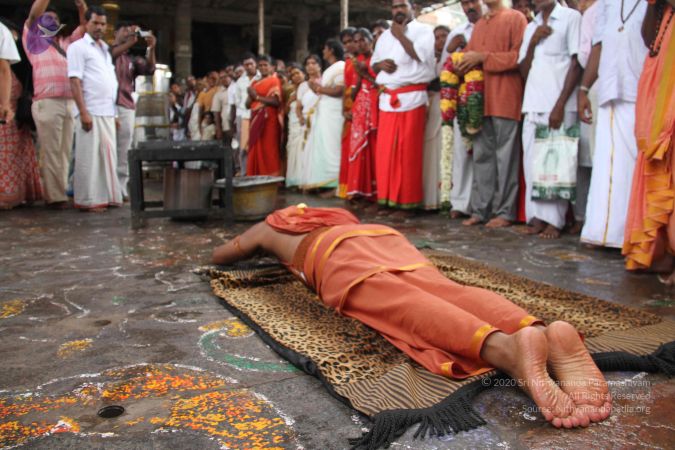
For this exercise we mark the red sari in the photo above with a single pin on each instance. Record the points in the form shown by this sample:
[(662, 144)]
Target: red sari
[(347, 105), (264, 155), (363, 138)]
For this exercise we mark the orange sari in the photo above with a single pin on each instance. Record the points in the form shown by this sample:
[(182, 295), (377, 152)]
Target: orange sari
[(264, 155), (650, 225)]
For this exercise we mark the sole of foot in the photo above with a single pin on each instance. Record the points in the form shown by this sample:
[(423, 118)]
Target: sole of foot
[(498, 222), (530, 348), (578, 376)]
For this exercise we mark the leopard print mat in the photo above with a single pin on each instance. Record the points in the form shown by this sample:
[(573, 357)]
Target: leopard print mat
[(358, 363)]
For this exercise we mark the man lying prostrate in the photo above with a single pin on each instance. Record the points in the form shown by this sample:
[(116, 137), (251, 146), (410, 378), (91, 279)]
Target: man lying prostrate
[(372, 273)]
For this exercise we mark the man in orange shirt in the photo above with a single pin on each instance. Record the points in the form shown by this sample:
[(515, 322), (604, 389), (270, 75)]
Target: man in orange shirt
[(494, 45), (373, 274)]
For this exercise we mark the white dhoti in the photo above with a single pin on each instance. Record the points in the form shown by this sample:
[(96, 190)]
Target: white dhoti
[(433, 141), (462, 174), (95, 181), (552, 212), (613, 166), (125, 135)]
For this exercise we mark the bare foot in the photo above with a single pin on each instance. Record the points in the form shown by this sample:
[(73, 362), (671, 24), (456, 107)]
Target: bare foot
[(94, 210), (523, 356), (536, 227), (456, 215), (402, 214), (328, 194), (550, 232), (579, 377), (58, 205), (498, 222), (472, 221), (668, 280), (575, 230)]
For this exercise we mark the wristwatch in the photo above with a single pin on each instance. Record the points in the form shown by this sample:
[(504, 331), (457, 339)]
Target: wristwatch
[(584, 88)]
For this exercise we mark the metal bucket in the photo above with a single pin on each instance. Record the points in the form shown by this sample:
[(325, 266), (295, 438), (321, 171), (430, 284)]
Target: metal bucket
[(254, 197), (187, 189)]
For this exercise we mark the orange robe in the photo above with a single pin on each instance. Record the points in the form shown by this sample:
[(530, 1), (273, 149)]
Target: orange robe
[(264, 155), (373, 274), (650, 225)]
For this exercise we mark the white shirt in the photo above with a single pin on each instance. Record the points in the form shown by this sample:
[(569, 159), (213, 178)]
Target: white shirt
[(587, 28), (409, 70), (243, 83), (623, 52), (93, 65), (221, 105), (8, 50), (466, 30), (232, 93), (552, 59)]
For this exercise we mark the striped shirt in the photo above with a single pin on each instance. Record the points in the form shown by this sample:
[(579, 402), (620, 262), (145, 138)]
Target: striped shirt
[(50, 68)]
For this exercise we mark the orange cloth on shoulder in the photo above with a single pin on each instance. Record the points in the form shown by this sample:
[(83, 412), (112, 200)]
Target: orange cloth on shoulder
[(302, 219)]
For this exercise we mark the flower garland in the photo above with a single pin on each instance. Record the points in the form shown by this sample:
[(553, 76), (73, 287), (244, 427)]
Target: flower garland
[(462, 98)]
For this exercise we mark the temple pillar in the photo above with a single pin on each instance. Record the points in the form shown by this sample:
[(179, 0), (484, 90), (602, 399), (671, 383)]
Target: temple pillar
[(183, 48), (301, 35), (344, 14), (261, 27)]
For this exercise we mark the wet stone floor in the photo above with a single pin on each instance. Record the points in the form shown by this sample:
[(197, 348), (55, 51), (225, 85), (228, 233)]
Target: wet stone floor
[(94, 314)]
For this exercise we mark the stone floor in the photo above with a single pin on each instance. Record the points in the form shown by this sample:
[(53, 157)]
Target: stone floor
[(93, 313)]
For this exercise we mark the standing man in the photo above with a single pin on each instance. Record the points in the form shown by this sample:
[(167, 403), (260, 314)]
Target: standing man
[(94, 86), (616, 61), (205, 98), (220, 107), (243, 112), (548, 63), (405, 63), (495, 44), (462, 159), (127, 69), (189, 101), (232, 118), (52, 97)]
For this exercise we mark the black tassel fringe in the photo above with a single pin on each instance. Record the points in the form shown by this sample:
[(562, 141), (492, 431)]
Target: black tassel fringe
[(661, 361), (452, 415)]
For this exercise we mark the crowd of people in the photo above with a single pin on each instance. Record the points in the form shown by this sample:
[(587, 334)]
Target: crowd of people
[(366, 120), (79, 102)]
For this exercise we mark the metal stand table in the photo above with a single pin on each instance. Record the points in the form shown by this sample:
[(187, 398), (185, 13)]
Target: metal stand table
[(180, 152)]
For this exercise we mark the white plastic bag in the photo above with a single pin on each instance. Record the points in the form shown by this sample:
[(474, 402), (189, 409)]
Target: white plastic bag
[(555, 164)]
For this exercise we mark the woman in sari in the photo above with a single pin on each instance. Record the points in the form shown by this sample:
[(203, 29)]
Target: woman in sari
[(361, 162), (309, 102), (264, 99), (296, 129), (324, 143), (19, 173), (649, 241)]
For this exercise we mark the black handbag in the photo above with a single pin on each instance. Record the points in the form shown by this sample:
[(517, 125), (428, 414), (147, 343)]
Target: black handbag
[(24, 105)]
